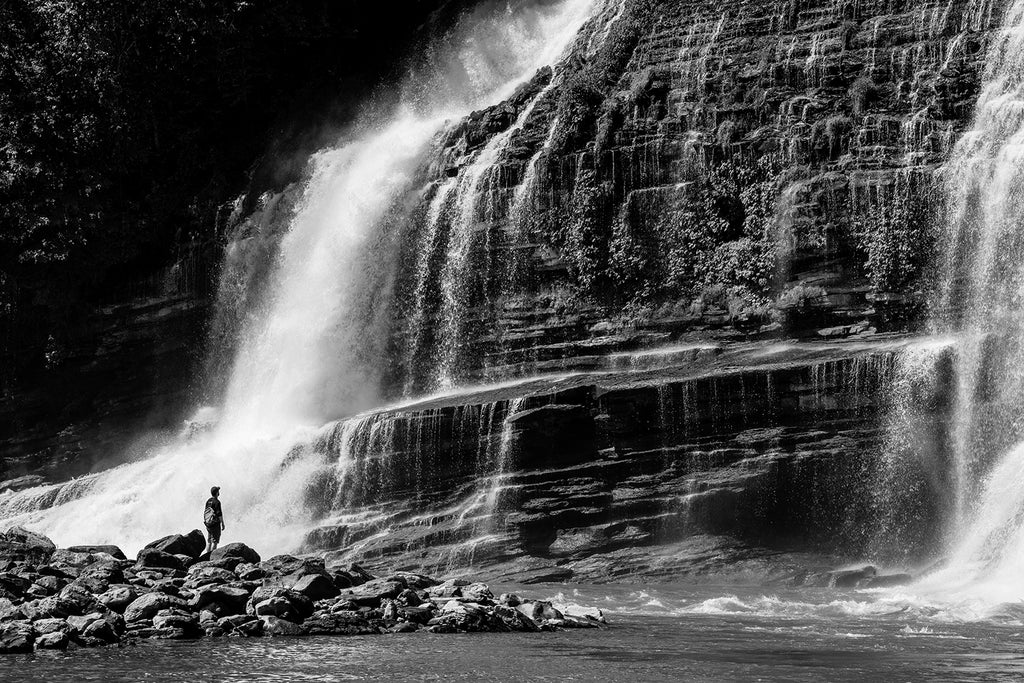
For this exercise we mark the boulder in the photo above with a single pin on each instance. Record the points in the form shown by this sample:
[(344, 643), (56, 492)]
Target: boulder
[(191, 544), (15, 637), (9, 611), (111, 550), (208, 575), (14, 584), (539, 610), (275, 626), (55, 640), (228, 563), (221, 600), (247, 571), (338, 624), (452, 588), (50, 585), (117, 598), (515, 620), (147, 606), (151, 558), (239, 550), (404, 627), (99, 631), (301, 604), (477, 592), (371, 593), (510, 599), (21, 545), (45, 626), (229, 623), (74, 599), (349, 575), (412, 580), (71, 558), (175, 618), (316, 587)]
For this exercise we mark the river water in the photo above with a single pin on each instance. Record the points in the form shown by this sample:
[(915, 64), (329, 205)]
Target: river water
[(657, 634)]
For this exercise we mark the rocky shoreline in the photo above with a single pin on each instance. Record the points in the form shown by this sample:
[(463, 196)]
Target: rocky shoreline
[(87, 596)]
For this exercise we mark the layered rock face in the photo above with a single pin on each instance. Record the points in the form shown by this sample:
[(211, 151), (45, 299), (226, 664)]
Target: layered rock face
[(695, 461), (618, 249), (732, 169), (714, 177), (122, 374)]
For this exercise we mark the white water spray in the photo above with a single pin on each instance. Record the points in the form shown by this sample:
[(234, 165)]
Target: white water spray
[(312, 352), (981, 301)]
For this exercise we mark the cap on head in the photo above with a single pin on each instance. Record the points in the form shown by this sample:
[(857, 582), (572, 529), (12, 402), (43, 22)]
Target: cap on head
[(214, 490)]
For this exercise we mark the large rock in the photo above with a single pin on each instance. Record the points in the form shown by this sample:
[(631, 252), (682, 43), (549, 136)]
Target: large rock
[(111, 550), (21, 545), (316, 587), (338, 624), (152, 558), (55, 640), (279, 602), (239, 550), (147, 606), (16, 636), (275, 626), (221, 600), (209, 575), (117, 598), (76, 600), (371, 593), (175, 618), (191, 544)]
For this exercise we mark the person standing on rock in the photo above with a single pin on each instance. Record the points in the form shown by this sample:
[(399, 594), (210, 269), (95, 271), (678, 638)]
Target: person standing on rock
[(213, 517)]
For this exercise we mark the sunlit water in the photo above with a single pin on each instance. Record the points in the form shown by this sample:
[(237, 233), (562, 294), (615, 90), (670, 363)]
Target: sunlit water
[(658, 634)]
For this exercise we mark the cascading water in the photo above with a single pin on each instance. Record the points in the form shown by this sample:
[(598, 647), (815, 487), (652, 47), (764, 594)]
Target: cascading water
[(312, 351), (981, 303)]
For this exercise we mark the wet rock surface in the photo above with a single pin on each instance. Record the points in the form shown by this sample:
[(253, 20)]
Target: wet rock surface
[(296, 596), (699, 461)]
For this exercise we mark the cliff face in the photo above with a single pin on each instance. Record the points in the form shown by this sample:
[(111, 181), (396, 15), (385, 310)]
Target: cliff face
[(640, 225), (752, 460), (736, 170), (707, 176)]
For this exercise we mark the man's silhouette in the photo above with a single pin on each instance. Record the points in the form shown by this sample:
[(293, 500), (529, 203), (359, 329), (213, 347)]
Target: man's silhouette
[(213, 517)]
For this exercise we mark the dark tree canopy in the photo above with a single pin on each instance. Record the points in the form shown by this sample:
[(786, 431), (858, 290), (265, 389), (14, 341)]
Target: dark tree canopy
[(123, 126)]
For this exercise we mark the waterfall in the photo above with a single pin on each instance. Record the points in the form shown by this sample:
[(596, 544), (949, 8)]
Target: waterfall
[(313, 350), (980, 301)]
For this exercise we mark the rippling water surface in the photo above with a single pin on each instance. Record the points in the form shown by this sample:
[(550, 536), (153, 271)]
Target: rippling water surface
[(658, 634)]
